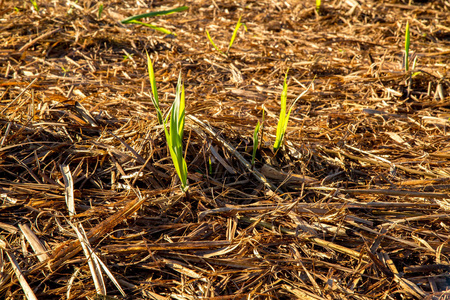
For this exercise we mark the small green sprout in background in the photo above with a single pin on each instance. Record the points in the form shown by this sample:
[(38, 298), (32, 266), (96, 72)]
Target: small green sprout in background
[(134, 19), (284, 118), (255, 139), (318, 4), (71, 7), (407, 44), (255, 142), (35, 5), (155, 99), (233, 37), (127, 56), (210, 170), (100, 10), (174, 136)]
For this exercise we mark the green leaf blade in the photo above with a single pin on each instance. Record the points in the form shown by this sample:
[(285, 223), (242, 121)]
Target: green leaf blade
[(407, 44), (233, 37), (154, 14), (282, 122), (212, 43), (155, 98), (255, 142), (174, 135)]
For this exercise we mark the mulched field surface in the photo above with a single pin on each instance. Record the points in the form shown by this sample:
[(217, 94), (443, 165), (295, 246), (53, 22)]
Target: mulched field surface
[(355, 205)]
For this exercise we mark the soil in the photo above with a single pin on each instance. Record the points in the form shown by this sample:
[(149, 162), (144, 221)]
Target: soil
[(354, 205)]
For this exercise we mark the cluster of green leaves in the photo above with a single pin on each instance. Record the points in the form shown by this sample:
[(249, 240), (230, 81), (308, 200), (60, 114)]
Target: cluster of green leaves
[(134, 19), (174, 135), (155, 98), (233, 37)]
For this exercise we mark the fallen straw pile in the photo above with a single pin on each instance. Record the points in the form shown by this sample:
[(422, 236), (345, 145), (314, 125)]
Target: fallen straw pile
[(354, 205)]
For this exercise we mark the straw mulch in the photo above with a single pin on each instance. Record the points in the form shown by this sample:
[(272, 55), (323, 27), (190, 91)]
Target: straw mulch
[(355, 205)]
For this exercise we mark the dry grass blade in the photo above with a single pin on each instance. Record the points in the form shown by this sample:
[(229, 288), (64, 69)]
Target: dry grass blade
[(60, 255), (29, 294), (68, 183), (34, 241), (94, 266), (230, 148)]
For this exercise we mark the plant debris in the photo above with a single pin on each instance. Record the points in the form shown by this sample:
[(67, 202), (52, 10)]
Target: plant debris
[(354, 205)]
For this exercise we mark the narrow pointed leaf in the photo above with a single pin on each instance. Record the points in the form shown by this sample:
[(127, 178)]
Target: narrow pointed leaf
[(174, 135), (407, 44), (160, 29), (212, 43), (255, 142), (233, 37), (155, 98), (154, 14), (282, 119)]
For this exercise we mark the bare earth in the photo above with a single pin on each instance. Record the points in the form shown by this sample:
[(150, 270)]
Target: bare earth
[(354, 206)]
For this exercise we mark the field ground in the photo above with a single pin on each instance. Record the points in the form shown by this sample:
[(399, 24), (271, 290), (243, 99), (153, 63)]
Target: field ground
[(354, 206)]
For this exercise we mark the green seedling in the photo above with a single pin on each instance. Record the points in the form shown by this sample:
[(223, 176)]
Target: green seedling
[(134, 19), (214, 45), (210, 170), (255, 139), (155, 99), (407, 44), (255, 142), (318, 4), (100, 10), (174, 136), (35, 5), (233, 37), (127, 56), (284, 118)]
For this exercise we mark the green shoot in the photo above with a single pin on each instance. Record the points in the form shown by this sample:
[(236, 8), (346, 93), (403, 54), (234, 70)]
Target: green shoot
[(210, 170), (160, 29), (127, 56), (233, 37), (284, 118), (407, 43), (255, 139), (134, 19), (174, 136), (214, 45), (255, 142), (100, 10), (155, 99), (318, 4), (35, 5)]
